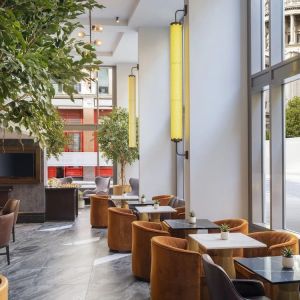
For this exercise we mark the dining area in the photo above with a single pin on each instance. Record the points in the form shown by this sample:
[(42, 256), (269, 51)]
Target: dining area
[(187, 257)]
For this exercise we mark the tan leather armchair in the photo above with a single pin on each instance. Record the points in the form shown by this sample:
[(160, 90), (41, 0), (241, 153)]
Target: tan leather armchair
[(163, 199), (3, 288), (99, 211), (142, 232), (12, 206), (175, 271), (119, 237), (6, 225), (236, 225)]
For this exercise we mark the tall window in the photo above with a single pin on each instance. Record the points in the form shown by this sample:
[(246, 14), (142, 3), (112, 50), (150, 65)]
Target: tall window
[(275, 87)]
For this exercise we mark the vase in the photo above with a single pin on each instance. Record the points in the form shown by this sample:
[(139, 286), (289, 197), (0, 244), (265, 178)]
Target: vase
[(288, 262), (192, 220), (225, 235)]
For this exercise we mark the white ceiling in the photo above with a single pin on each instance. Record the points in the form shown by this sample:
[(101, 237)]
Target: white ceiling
[(120, 40)]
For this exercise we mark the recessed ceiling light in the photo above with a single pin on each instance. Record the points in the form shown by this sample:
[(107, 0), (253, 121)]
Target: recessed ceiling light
[(97, 42), (97, 28), (81, 34)]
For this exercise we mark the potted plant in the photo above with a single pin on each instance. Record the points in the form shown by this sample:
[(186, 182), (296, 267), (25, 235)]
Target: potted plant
[(156, 204), (143, 198), (287, 258), (113, 143), (224, 231), (192, 219)]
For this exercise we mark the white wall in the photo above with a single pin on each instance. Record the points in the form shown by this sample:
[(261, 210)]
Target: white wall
[(123, 70), (157, 153), (217, 114)]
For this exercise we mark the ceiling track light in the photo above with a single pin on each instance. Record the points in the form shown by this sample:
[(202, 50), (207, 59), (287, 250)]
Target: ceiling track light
[(117, 20)]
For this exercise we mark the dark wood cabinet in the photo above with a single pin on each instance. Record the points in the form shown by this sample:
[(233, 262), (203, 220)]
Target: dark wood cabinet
[(4, 194), (61, 204)]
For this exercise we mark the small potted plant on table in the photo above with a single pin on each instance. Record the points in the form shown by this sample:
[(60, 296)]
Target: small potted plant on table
[(156, 204), (224, 231), (287, 258), (143, 198), (192, 218)]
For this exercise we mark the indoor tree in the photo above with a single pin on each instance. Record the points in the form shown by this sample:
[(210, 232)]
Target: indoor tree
[(36, 50), (113, 140)]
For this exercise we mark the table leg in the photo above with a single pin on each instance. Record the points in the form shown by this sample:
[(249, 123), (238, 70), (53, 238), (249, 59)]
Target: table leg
[(143, 217), (124, 204), (289, 291), (155, 217), (223, 258)]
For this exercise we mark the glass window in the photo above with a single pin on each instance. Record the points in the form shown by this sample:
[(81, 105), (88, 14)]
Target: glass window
[(74, 142), (266, 33), (292, 155)]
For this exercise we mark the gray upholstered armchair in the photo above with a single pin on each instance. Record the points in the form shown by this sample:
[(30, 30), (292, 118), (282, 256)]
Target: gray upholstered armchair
[(134, 183), (102, 187), (66, 180)]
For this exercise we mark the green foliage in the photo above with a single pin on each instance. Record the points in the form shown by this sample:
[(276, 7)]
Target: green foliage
[(224, 227), (113, 139), (192, 214), (36, 50), (287, 252), (293, 117)]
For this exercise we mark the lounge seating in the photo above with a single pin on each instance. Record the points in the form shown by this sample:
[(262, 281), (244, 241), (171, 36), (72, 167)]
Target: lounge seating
[(236, 225), (163, 199), (102, 187), (276, 241), (119, 237), (99, 211), (3, 288), (6, 225), (179, 205), (142, 232), (134, 184), (175, 271), (12, 205), (220, 286), (66, 180)]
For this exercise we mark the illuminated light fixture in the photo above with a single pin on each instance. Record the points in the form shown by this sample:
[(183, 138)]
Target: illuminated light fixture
[(176, 81), (97, 28), (132, 109), (81, 34), (117, 20), (97, 42)]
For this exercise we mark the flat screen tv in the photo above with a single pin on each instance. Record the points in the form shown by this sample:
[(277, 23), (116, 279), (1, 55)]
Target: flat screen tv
[(20, 166)]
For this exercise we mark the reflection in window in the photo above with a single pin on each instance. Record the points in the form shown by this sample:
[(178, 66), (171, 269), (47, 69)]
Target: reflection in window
[(266, 157), (266, 34)]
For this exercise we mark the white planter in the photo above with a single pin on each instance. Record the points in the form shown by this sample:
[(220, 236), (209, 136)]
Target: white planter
[(288, 262), (192, 220), (143, 200), (225, 235), (156, 206)]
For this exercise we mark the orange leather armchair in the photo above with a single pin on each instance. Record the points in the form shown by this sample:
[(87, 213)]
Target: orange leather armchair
[(163, 199), (119, 237), (12, 206), (3, 288), (6, 225), (179, 214), (142, 232), (99, 211), (175, 271), (236, 225)]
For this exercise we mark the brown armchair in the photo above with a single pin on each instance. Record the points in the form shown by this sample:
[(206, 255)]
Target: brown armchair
[(163, 199), (6, 225), (142, 232), (119, 237), (3, 288), (236, 225), (99, 211), (175, 271), (12, 205)]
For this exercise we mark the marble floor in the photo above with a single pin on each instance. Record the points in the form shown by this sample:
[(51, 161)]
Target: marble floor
[(68, 261)]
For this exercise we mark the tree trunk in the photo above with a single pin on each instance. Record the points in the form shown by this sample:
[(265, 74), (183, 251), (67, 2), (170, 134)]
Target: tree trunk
[(122, 173)]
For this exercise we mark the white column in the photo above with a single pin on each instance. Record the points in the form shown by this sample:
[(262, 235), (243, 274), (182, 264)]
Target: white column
[(292, 30), (218, 137), (157, 152)]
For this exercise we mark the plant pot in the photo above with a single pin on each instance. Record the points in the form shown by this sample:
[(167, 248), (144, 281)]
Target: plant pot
[(156, 206), (143, 200), (224, 235), (192, 220), (288, 262), (121, 189)]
